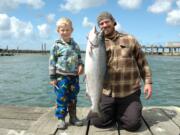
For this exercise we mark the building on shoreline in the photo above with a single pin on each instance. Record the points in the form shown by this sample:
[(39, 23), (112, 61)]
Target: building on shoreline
[(170, 48)]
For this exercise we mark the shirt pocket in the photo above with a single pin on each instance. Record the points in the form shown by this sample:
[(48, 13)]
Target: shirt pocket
[(126, 51), (125, 57)]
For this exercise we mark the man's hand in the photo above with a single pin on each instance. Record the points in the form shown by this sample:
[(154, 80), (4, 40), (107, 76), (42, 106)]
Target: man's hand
[(148, 91)]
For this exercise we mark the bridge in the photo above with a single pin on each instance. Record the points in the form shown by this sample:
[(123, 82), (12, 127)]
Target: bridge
[(162, 50)]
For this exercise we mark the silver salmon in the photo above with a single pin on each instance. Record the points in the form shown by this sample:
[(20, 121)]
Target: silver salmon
[(95, 68)]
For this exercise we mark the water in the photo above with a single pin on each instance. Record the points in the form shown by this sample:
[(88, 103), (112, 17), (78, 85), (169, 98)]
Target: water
[(24, 81)]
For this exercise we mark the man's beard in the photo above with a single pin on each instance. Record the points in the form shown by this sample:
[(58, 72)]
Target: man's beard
[(108, 33)]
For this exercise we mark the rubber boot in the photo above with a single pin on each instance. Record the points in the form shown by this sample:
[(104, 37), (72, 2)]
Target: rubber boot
[(72, 115), (62, 125)]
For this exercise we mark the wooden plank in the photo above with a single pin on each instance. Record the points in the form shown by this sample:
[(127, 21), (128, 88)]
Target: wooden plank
[(22, 109), (15, 124), (98, 131), (4, 131), (19, 116), (159, 123), (113, 131), (45, 125), (174, 113), (93, 130), (142, 131), (81, 130), (161, 120), (11, 132), (74, 130)]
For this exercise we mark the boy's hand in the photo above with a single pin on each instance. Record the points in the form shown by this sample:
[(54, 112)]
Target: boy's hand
[(80, 70), (53, 83)]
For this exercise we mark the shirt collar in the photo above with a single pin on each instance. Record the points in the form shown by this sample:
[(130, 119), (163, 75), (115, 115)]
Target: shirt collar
[(115, 35)]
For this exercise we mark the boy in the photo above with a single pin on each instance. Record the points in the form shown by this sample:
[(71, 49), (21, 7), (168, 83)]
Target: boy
[(65, 66)]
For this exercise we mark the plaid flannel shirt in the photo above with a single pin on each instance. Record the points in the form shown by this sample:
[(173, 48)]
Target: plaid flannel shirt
[(126, 66)]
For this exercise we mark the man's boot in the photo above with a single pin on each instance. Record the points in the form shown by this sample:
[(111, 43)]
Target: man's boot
[(72, 115)]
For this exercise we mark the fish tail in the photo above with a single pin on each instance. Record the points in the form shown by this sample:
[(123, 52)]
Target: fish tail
[(92, 114)]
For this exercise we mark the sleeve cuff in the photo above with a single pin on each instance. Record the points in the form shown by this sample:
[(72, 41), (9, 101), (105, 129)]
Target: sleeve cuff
[(53, 77), (148, 81)]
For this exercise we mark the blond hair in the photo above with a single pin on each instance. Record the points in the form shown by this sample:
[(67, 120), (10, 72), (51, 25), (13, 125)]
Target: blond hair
[(63, 21)]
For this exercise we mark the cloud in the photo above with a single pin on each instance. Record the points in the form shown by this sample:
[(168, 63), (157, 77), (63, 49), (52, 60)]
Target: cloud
[(5, 26), (77, 5), (12, 27), (160, 6), (173, 17), (37, 4), (15, 32), (50, 18), (87, 23), (6, 5), (178, 3), (44, 30), (130, 4), (20, 28), (118, 27), (4, 22)]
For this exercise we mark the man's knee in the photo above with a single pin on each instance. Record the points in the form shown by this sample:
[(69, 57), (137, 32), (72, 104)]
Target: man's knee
[(132, 125), (101, 122)]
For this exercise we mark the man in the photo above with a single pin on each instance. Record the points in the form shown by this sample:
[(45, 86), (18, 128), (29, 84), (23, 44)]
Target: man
[(126, 66)]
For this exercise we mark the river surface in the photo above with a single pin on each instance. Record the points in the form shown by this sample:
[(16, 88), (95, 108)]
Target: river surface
[(24, 81)]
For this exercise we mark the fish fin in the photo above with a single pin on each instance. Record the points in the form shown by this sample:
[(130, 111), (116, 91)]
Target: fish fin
[(91, 52), (92, 115), (84, 78), (87, 95)]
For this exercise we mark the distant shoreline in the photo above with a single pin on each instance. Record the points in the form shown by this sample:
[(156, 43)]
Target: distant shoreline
[(26, 51), (12, 52)]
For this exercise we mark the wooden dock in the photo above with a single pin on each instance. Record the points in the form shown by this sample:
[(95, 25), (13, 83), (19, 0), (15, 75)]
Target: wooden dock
[(41, 121)]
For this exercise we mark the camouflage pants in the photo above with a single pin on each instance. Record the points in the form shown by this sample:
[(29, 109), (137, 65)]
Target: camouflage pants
[(66, 93)]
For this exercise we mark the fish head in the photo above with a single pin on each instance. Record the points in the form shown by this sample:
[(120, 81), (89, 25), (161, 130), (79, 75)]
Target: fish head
[(95, 38)]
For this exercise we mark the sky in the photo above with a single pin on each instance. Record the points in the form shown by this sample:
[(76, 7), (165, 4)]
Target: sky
[(27, 24)]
